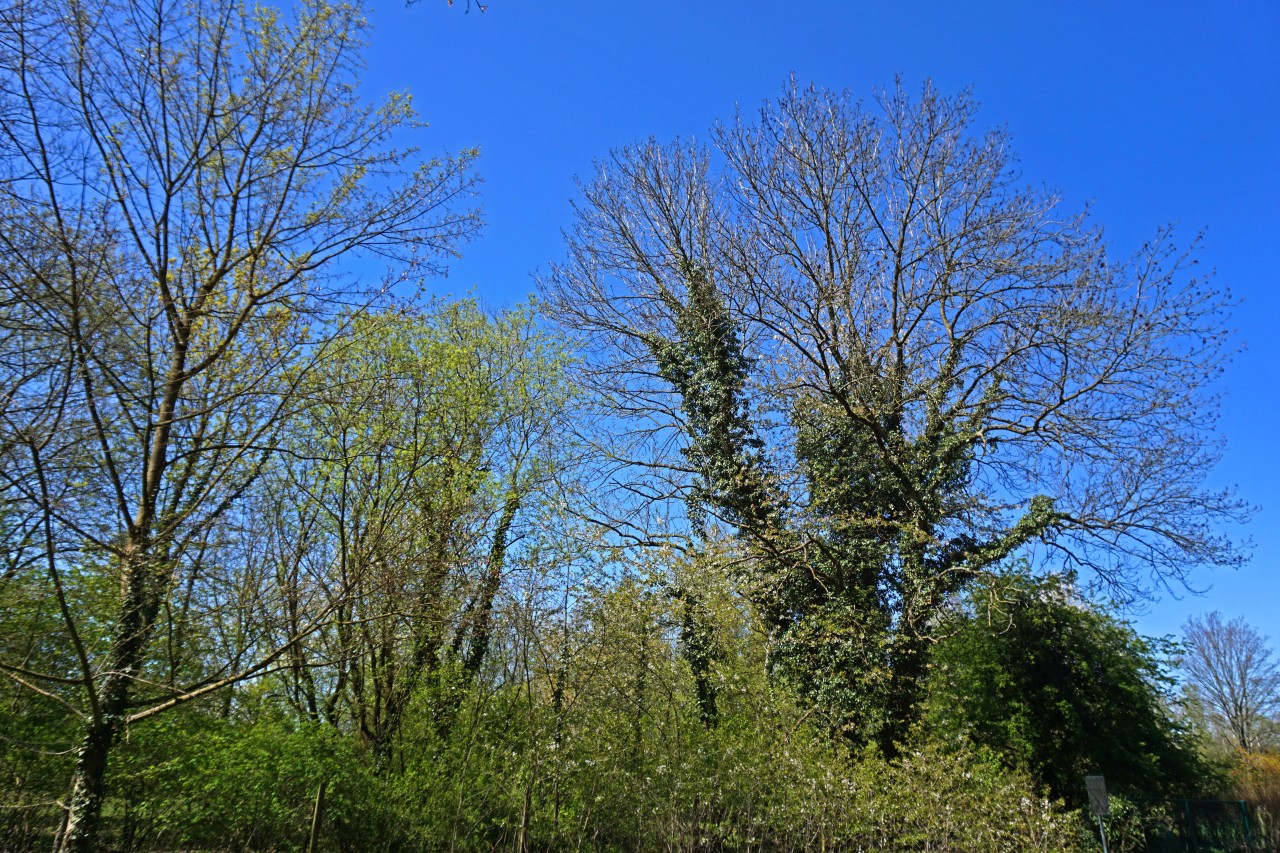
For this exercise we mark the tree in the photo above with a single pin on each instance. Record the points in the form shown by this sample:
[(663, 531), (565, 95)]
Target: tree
[(1231, 676), (887, 367), (177, 184), (1060, 689), (430, 440)]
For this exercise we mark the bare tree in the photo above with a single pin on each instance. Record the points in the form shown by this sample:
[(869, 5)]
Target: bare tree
[(886, 365), (176, 185), (1231, 675)]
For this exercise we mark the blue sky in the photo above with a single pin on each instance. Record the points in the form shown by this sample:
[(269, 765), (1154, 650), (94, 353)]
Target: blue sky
[(1157, 113)]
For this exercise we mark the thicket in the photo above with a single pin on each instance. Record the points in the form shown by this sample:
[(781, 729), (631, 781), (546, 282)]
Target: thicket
[(603, 749)]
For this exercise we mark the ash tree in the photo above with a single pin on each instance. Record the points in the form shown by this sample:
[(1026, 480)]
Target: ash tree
[(862, 346), (176, 184)]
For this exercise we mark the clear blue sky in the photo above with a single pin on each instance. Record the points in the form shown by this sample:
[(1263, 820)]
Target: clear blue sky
[(1159, 113)]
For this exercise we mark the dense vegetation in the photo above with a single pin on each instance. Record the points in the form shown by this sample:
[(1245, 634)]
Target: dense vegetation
[(779, 522)]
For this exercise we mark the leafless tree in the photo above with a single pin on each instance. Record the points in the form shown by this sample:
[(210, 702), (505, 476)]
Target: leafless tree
[(1231, 676), (176, 186), (861, 343)]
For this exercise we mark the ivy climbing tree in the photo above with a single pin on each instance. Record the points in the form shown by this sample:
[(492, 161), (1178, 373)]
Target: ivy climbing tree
[(886, 368)]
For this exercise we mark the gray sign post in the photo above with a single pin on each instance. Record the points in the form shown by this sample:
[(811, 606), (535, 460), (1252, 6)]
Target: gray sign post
[(1099, 805)]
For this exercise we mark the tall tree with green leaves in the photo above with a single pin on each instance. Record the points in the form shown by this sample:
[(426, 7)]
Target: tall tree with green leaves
[(178, 183), (431, 436)]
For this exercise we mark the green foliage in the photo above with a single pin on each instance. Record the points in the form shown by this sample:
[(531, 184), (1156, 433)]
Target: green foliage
[(35, 734), (626, 762), (172, 217), (193, 780), (228, 468), (837, 657), (603, 742), (889, 367), (432, 436), (36, 730), (1060, 690), (846, 584), (653, 708), (705, 363), (952, 797)]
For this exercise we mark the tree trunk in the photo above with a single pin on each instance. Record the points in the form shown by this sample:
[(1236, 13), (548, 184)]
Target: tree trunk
[(88, 785), (910, 657), (482, 629)]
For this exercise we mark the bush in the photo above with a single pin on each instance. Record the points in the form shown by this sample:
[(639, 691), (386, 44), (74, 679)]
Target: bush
[(192, 780), (1061, 689), (1256, 780)]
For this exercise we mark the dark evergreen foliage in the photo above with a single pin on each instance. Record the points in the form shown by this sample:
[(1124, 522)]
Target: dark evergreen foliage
[(1062, 690)]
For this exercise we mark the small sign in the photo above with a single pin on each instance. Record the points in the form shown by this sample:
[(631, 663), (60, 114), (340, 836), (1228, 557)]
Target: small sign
[(1098, 804)]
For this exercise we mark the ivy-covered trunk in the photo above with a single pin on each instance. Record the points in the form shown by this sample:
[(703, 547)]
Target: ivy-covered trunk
[(845, 584), (108, 713)]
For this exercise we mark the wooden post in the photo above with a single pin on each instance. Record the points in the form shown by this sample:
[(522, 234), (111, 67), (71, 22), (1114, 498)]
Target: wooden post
[(317, 815)]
